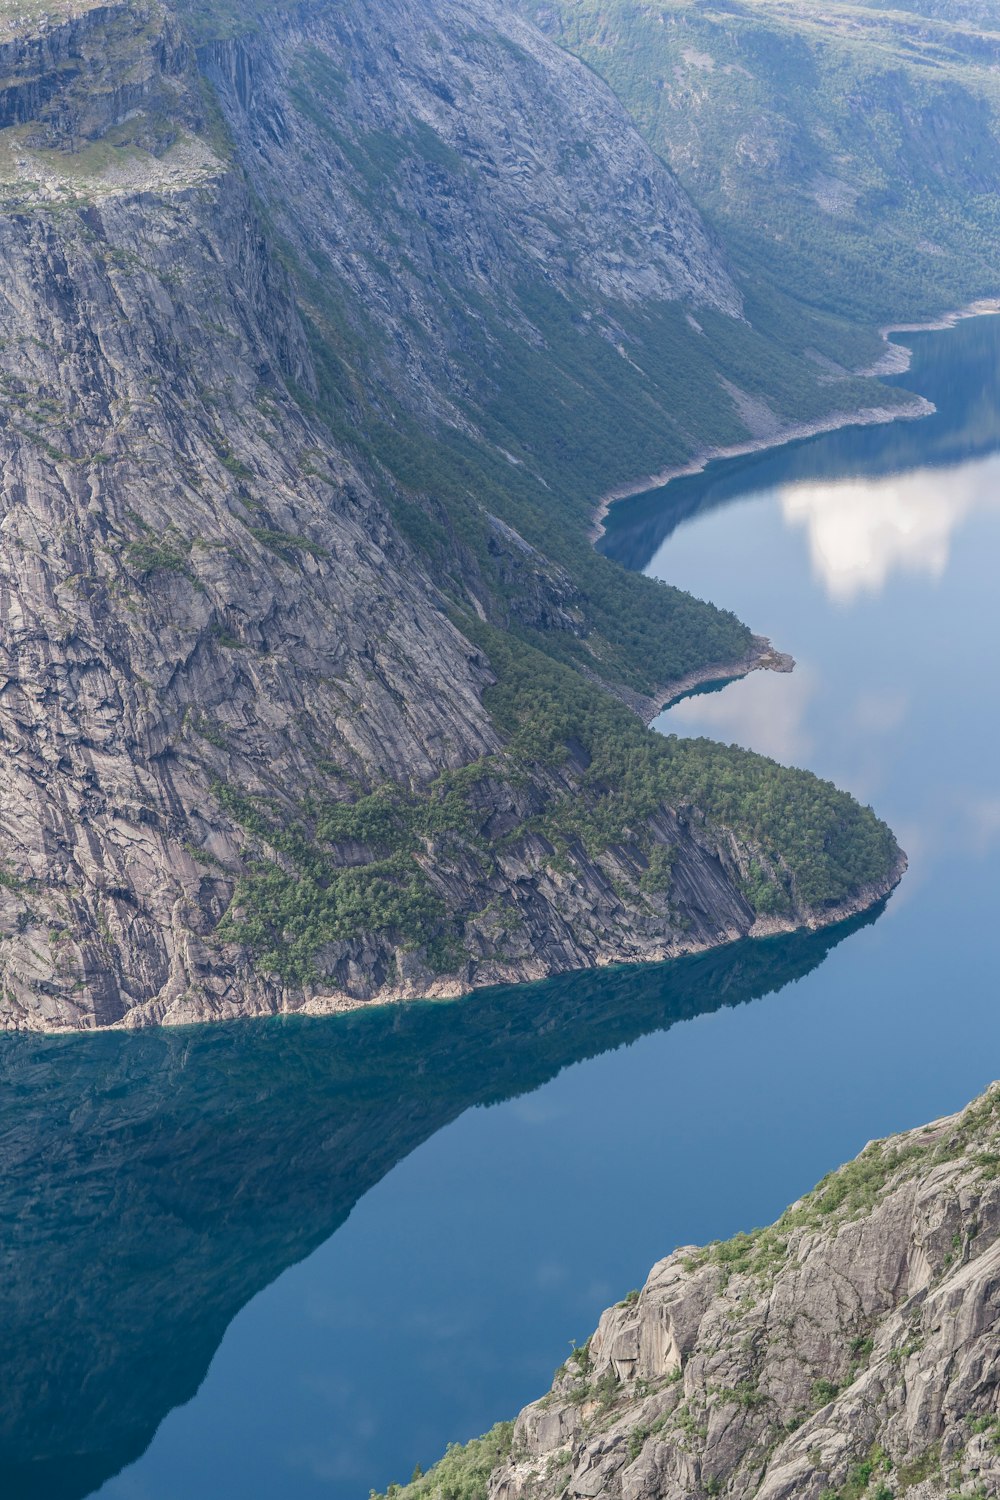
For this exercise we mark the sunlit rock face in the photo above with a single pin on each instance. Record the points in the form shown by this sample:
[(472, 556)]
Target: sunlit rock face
[(855, 1341), (203, 588), (241, 276)]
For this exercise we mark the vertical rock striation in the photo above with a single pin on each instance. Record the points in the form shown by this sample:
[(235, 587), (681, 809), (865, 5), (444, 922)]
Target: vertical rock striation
[(215, 634)]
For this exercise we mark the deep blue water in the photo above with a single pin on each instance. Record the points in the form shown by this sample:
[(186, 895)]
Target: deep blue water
[(293, 1259)]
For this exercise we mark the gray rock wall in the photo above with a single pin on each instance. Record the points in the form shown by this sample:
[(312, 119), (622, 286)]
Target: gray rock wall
[(850, 1349), (199, 590)]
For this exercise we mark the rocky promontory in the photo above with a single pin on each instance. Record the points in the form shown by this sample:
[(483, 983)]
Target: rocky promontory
[(311, 686), (850, 1350)]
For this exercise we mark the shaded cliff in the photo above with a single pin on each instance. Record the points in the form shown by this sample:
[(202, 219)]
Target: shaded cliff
[(848, 1351), (154, 1183), (849, 157)]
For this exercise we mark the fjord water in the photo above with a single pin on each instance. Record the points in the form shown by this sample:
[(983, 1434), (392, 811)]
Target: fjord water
[(292, 1258)]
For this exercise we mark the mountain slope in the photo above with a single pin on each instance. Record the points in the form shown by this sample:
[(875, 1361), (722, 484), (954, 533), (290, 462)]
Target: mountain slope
[(517, 306), (848, 1351), (847, 154), (306, 679)]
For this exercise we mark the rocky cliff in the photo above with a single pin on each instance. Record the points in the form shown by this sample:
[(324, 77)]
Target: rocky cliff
[(276, 642), (848, 1350)]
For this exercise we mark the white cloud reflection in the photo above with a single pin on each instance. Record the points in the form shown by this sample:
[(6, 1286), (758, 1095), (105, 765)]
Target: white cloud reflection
[(978, 823), (764, 712), (860, 531)]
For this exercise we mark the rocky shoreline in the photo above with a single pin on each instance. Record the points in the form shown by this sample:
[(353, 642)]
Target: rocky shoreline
[(867, 416), (897, 358), (895, 361), (532, 970), (849, 1350), (762, 657)]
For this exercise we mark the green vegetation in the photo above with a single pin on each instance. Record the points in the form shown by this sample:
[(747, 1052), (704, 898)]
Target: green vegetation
[(865, 137), (286, 912), (578, 418), (217, 20), (864, 1478), (746, 1395), (820, 839), (640, 1435), (166, 554), (916, 1470), (497, 507), (462, 1474), (284, 545), (848, 1192), (821, 845), (852, 1191), (595, 397), (861, 1350)]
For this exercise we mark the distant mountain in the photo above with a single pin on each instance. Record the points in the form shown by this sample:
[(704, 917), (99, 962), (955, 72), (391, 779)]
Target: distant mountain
[(848, 154)]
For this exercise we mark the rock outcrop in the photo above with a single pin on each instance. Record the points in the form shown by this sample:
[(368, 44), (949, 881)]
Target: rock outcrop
[(849, 1350)]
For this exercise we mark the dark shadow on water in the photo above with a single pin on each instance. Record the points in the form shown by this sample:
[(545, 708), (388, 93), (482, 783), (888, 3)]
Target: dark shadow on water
[(154, 1183), (956, 368), (715, 686)]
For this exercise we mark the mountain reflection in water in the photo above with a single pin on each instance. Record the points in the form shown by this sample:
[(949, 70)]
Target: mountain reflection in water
[(155, 1182)]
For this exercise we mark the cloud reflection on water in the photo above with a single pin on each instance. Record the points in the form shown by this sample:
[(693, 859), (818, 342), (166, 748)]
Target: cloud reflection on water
[(766, 711), (860, 531)]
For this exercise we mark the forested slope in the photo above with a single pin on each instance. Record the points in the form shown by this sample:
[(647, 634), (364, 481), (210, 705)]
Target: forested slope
[(848, 154)]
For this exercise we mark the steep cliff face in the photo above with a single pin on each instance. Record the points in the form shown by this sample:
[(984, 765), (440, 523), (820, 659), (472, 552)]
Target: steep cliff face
[(849, 1350), (486, 240), (235, 685), (171, 614), (433, 165)]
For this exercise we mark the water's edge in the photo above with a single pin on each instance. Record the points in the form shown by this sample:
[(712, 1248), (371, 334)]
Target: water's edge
[(895, 361)]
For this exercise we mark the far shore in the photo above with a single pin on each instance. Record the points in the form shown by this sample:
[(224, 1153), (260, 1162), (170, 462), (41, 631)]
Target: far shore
[(895, 361)]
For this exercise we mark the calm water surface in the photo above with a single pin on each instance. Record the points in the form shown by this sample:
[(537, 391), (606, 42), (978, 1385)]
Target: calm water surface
[(292, 1259)]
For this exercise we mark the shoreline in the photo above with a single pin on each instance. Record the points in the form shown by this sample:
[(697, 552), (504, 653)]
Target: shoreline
[(898, 357), (896, 360), (450, 989), (864, 416), (762, 657)]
